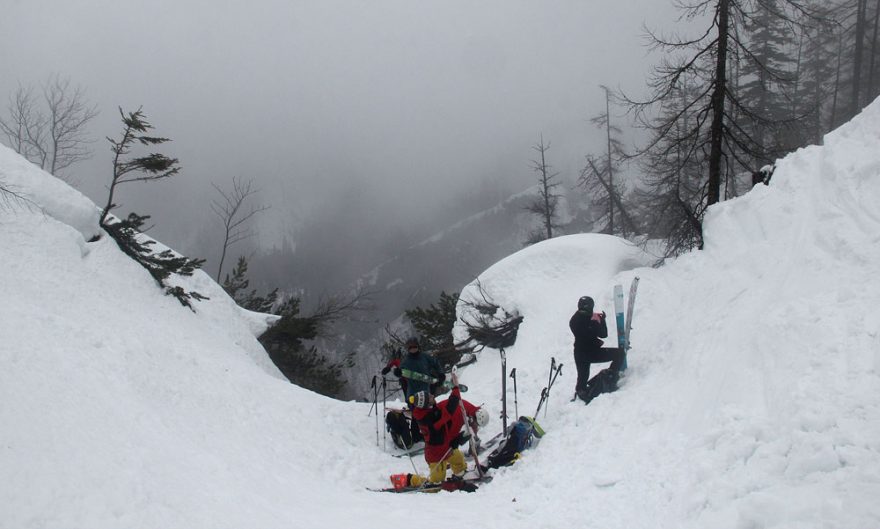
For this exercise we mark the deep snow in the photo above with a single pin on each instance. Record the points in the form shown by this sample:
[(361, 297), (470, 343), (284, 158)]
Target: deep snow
[(751, 400)]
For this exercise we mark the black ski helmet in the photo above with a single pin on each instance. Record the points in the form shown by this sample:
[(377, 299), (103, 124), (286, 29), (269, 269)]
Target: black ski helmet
[(412, 341), (586, 303)]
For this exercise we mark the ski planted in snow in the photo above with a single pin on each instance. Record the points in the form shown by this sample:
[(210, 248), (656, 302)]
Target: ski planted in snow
[(630, 304), (618, 317)]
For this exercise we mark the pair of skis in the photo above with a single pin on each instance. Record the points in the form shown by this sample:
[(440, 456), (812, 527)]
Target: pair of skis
[(624, 322), (469, 483), (428, 379)]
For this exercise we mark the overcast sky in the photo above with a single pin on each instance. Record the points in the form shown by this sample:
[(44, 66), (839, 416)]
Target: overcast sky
[(408, 102)]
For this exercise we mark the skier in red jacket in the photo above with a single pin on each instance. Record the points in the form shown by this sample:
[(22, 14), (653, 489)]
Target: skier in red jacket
[(441, 426)]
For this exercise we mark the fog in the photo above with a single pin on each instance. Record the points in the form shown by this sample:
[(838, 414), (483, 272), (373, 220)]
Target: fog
[(400, 108)]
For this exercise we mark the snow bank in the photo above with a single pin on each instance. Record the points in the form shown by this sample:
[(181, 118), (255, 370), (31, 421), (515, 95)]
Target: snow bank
[(779, 375), (53, 196), (122, 408)]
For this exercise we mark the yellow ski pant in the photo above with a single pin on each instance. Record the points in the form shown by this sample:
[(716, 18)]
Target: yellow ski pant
[(437, 471)]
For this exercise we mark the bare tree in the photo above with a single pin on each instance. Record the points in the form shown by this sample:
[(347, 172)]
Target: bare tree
[(53, 137), (10, 198), (68, 115), (605, 197), (872, 76), (23, 127), (332, 308), (547, 201), (597, 177), (858, 54), (230, 211), (606, 121), (716, 135)]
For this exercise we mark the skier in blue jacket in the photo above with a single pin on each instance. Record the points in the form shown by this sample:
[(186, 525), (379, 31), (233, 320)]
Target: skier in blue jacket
[(421, 370)]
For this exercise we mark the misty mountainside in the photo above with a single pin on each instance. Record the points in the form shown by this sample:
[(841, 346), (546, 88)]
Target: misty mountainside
[(444, 262)]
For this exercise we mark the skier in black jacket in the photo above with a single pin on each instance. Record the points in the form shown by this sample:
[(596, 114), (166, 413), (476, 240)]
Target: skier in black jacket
[(589, 328)]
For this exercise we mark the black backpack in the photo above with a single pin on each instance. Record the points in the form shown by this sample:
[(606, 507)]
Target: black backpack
[(605, 381), (404, 432)]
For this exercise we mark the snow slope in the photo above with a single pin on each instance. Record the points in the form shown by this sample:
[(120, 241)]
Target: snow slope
[(751, 401)]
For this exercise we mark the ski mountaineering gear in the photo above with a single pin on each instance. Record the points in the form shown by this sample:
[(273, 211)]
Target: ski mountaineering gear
[(555, 371), (586, 304), (515, 403), (404, 432), (404, 484), (472, 443), (630, 305), (618, 318), (435, 383), (605, 381), (419, 400), (524, 433), (503, 389), (482, 417)]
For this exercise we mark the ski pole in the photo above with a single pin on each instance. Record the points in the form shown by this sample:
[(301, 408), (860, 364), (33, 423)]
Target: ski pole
[(384, 408), (471, 441), (376, 405), (515, 404), (503, 389), (550, 382), (541, 402), (412, 462), (373, 387)]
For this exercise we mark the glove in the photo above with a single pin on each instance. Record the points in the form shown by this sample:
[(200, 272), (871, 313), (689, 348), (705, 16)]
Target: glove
[(397, 372), (461, 439), (385, 370)]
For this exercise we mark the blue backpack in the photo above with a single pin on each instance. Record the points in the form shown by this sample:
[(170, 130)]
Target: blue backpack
[(522, 435)]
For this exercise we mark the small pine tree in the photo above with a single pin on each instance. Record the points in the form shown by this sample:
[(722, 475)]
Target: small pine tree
[(236, 286), (154, 166), (434, 324), (303, 366), (128, 233)]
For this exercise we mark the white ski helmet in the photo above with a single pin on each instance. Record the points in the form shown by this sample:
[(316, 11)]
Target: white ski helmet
[(482, 417)]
